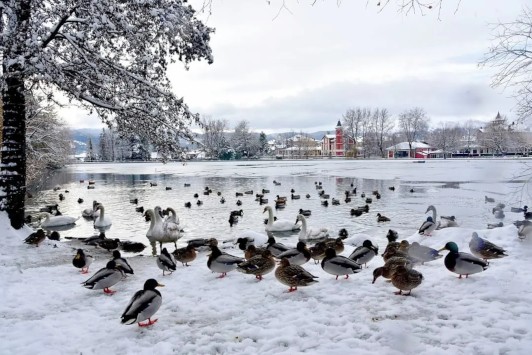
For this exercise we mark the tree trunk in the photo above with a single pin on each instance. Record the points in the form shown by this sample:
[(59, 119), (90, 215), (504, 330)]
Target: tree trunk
[(13, 167)]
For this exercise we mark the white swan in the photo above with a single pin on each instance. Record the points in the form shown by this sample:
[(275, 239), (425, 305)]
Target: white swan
[(156, 232), (308, 233), (91, 212), (444, 222), (279, 225), (102, 220), (55, 221), (171, 228)]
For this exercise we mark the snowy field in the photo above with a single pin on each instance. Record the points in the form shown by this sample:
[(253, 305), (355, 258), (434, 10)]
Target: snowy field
[(45, 310)]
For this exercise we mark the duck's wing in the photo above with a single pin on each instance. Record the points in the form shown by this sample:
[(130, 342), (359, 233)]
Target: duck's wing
[(229, 259), (99, 276), (426, 226), (140, 302)]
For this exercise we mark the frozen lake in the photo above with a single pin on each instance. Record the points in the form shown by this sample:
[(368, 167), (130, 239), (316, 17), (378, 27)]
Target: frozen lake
[(455, 187)]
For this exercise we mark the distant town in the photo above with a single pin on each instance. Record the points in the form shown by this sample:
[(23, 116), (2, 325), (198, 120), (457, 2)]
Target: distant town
[(361, 134)]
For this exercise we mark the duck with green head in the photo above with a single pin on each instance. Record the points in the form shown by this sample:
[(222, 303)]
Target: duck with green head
[(462, 263)]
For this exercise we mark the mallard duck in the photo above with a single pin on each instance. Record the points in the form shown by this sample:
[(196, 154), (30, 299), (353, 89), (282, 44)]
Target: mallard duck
[(143, 305), (252, 250), (36, 238), (109, 244), (279, 225), (95, 239), (293, 275), (82, 261), (296, 256), (185, 255), (222, 262), (104, 278), (305, 213), (343, 233), (258, 265), (488, 199), (389, 267), (498, 213), (325, 203), (165, 261), (132, 247), (317, 251), (495, 225), (369, 200), (276, 248), (122, 263), (392, 237), (364, 253), (309, 233), (420, 253), (356, 212), (406, 279), (54, 236), (394, 250), (295, 197), (102, 220), (381, 218), (484, 249), (338, 265), (188, 204), (462, 263), (307, 195), (336, 243), (427, 227)]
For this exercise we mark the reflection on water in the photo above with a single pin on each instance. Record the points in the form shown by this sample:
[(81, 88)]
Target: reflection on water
[(455, 188)]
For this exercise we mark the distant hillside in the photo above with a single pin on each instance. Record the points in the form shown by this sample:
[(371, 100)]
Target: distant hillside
[(81, 138)]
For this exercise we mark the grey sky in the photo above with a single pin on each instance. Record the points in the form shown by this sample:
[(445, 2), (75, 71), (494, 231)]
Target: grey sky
[(304, 69)]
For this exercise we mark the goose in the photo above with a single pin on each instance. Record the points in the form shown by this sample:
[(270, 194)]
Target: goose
[(462, 263), (258, 265), (185, 255), (525, 229), (308, 233), (91, 212), (166, 262), (364, 253), (122, 263), (296, 256), (427, 227), (484, 249), (222, 262), (381, 218), (36, 238), (82, 261), (143, 305), (338, 265), (56, 221), (276, 248), (279, 225), (406, 279), (293, 275), (102, 220), (104, 278)]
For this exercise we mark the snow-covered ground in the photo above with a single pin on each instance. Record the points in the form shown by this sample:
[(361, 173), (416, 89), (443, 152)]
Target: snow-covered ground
[(45, 310)]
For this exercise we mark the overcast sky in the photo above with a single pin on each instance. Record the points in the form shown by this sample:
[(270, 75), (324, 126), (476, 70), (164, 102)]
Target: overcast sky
[(302, 70)]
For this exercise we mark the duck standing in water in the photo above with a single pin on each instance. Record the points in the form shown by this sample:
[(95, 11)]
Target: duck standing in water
[(143, 305)]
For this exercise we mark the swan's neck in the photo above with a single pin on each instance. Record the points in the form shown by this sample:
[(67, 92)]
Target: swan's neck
[(434, 214), (303, 225), (152, 218), (172, 212), (102, 212), (270, 216)]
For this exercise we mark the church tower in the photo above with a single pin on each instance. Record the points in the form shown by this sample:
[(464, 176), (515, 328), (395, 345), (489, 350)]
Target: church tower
[(339, 141)]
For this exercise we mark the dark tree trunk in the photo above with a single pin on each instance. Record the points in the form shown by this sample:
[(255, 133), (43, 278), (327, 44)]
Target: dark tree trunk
[(13, 167)]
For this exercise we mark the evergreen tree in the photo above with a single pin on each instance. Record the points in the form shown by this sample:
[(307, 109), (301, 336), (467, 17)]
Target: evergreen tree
[(91, 156)]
